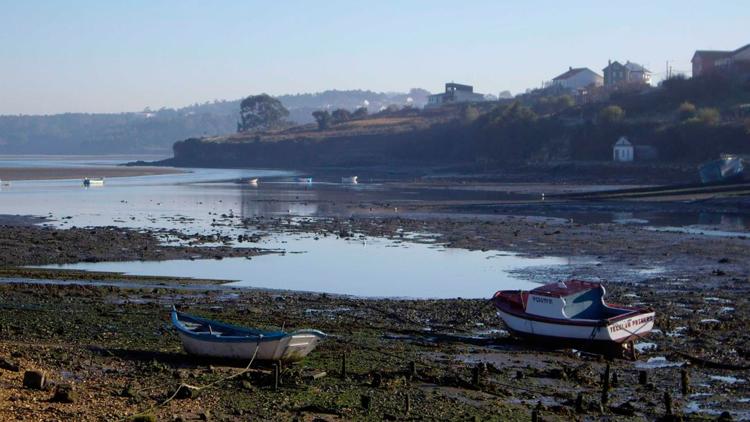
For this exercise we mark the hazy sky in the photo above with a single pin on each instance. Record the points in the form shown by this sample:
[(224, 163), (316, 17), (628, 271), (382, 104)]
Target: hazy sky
[(107, 56)]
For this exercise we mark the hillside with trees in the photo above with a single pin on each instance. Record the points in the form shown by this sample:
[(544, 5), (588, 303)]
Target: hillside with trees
[(155, 131), (687, 121)]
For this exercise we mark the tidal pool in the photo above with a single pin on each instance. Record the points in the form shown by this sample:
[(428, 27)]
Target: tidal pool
[(370, 267)]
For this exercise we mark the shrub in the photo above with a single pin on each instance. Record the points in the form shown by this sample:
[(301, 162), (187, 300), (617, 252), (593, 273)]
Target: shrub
[(611, 114), (686, 111)]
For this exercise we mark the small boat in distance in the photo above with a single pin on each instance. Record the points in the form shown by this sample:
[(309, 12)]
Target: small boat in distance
[(307, 180), (571, 310), (88, 182), (205, 337), (253, 182), (349, 180)]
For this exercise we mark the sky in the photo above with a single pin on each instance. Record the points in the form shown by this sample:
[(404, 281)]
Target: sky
[(106, 56)]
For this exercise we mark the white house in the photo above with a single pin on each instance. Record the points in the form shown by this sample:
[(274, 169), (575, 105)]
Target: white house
[(578, 79), (623, 150), (454, 93)]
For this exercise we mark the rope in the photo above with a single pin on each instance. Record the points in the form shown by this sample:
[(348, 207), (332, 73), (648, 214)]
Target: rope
[(204, 387)]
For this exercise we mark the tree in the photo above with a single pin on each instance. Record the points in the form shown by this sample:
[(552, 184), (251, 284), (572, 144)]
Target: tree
[(611, 114), (261, 112), (686, 111), (341, 115), (323, 118), (360, 113)]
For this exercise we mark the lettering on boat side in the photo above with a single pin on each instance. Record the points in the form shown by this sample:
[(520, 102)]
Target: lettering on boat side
[(633, 322), (544, 300)]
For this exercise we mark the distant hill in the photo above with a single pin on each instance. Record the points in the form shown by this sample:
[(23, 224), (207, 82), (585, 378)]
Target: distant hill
[(154, 131), (683, 122)]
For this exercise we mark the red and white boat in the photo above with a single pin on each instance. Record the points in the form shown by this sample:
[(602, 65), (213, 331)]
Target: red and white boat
[(571, 310)]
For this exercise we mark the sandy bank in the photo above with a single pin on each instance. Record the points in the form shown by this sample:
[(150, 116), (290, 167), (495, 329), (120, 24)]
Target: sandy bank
[(49, 173)]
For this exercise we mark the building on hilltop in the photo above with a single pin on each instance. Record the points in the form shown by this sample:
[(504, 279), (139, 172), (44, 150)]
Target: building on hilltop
[(578, 79), (735, 62), (618, 74), (454, 93)]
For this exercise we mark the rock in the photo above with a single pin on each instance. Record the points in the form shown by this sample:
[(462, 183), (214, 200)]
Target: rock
[(64, 393), (129, 392), (205, 415), (8, 365), (725, 417), (625, 409), (34, 380), (185, 392), (143, 418)]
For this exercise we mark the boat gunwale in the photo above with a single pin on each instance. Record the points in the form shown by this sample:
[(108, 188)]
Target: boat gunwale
[(504, 304), (253, 336)]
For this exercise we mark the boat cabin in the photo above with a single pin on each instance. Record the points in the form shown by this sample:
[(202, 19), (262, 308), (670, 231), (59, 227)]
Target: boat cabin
[(572, 299)]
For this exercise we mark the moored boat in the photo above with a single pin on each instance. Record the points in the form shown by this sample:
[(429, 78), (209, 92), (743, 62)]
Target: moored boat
[(572, 310), (88, 182), (253, 182), (307, 180), (205, 337), (352, 180)]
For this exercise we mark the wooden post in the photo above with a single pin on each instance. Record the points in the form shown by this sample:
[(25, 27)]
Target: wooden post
[(475, 379), (615, 379), (633, 352), (534, 415), (407, 404), (642, 377), (343, 365), (412, 370), (275, 377), (579, 403), (668, 403), (605, 385), (685, 378), (366, 402)]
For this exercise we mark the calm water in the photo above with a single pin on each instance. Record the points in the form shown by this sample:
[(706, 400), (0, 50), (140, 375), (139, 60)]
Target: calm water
[(372, 267), (194, 202)]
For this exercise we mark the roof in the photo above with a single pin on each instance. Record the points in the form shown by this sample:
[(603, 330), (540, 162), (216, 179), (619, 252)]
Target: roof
[(635, 67), (566, 288), (571, 72), (737, 51), (714, 54), (460, 87), (623, 141)]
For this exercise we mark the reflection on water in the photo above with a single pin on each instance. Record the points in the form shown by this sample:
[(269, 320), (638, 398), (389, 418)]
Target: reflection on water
[(372, 268)]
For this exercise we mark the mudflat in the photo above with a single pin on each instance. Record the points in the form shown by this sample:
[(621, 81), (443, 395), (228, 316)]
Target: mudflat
[(53, 173)]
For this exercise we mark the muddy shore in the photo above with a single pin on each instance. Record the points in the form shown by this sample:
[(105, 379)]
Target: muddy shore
[(117, 351)]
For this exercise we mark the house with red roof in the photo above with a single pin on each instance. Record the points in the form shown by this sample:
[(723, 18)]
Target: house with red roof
[(706, 62)]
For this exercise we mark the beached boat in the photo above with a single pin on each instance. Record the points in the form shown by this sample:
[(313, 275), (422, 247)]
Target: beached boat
[(205, 337), (572, 310), (727, 168), (349, 180), (88, 182)]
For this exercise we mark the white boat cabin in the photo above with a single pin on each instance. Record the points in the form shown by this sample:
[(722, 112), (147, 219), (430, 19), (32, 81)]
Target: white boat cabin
[(570, 300)]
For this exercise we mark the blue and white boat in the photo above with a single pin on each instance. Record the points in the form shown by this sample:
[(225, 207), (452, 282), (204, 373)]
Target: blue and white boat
[(205, 337)]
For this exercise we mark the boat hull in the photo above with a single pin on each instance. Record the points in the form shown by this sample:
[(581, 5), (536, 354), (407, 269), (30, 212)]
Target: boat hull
[(290, 348), (620, 331)]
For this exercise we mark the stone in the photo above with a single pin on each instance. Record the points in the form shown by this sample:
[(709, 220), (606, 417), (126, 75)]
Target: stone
[(64, 393), (33, 379), (8, 365)]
